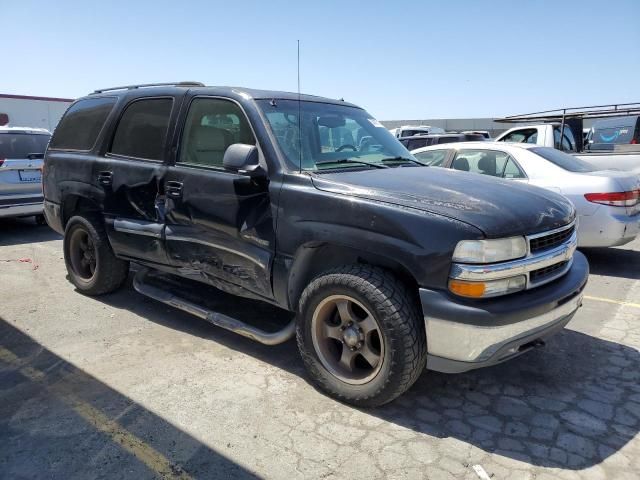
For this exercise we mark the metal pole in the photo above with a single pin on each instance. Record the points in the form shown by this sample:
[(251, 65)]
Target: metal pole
[(564, 112)]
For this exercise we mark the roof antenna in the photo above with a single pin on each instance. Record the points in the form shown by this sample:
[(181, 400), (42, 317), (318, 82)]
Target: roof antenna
[(299, 115)]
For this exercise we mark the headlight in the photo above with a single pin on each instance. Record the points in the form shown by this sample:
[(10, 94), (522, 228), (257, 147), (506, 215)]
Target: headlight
[(490, 251), (489, 288)]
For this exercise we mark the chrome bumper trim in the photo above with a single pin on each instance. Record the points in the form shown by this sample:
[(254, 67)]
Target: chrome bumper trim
[(476, 343), (522, 266)]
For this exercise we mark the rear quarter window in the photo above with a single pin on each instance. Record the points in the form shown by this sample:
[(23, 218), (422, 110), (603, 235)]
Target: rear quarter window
[(142, 129), (81, 124)]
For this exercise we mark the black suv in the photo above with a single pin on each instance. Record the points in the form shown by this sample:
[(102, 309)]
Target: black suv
[(418, 141), (310, 204)]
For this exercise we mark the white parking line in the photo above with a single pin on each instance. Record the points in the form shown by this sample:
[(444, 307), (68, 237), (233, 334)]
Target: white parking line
[(481, 472)]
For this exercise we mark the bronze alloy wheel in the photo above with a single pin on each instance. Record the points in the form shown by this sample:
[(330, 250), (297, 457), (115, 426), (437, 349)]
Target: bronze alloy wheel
[(347, 339), (82, 252)]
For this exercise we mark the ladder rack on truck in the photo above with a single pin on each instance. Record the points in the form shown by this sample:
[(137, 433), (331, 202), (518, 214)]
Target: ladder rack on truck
[(574, 117)]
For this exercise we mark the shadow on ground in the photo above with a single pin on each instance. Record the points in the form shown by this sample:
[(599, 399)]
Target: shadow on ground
[(571, 404), (57, 422), (19, 231), (614, 262)]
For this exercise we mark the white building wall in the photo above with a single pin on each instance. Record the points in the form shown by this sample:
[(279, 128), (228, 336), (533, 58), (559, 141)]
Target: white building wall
[(33, 111)]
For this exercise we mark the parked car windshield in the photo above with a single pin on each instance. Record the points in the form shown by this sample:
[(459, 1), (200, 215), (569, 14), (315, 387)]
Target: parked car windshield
[(333, 136), (20, 145), (563, 160)]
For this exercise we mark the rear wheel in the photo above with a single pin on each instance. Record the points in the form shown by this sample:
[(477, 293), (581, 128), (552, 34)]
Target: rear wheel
[(361, 335), (93, 268)]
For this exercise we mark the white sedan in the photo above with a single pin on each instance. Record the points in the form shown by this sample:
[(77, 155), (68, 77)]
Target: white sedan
[(607, 201)]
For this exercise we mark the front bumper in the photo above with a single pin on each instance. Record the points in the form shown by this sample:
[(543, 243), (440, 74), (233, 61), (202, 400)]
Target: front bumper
[(54, 216), (467, 334)]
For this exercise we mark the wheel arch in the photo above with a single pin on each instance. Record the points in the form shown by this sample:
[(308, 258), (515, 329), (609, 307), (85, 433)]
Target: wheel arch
[(72, 204), (314, 258)]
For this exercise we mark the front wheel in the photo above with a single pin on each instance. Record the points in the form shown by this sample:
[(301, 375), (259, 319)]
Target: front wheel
[(92, 266), (361, 335)]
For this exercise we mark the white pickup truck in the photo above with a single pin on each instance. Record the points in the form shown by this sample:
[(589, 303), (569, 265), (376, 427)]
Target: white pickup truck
[(623, 157)]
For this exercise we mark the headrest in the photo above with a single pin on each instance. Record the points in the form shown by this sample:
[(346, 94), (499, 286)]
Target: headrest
[(461, 163), (208, 138), (488, 163)]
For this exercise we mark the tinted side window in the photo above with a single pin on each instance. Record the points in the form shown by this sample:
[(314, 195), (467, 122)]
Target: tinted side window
[(474, 137), (213, 125), (81, 124), (416, 143), (434, 158), (440, 140), (142, 130)]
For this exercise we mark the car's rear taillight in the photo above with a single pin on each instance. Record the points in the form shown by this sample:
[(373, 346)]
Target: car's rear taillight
[(1, 161), (615, 199), (634, 142)]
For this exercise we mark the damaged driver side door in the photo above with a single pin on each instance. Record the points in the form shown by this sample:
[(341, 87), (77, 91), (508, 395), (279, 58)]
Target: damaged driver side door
[(219, 224), (131, 175)]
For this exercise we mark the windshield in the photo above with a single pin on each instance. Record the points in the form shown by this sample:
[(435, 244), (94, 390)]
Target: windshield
[(563, 160), (19, 145), (333, 136)]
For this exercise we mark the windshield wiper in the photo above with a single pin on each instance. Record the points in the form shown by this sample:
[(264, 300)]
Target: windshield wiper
[(351, 160), (403, 159)]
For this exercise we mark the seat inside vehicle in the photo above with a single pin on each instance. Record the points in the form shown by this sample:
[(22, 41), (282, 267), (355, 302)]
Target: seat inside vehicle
[(208, 144), (461, 163), (487, 164)]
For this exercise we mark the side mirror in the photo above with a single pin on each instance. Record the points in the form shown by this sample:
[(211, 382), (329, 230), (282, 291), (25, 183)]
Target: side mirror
[(242, 158)]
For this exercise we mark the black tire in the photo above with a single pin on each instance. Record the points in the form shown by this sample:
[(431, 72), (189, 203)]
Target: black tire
[(400, 322), (108, 272)]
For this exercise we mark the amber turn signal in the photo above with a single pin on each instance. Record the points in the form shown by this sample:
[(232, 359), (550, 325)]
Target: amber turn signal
[(467, 289)]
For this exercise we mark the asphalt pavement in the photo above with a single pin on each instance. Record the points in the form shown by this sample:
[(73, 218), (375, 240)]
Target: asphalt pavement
[(121, 386)]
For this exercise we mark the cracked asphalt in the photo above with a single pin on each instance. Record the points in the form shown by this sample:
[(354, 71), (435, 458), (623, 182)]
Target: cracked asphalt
[(123, 387)]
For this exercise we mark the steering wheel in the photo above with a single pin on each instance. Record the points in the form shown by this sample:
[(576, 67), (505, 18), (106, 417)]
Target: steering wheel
[(342, 147)]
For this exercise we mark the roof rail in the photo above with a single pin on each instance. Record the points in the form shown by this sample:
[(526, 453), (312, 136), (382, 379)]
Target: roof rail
[(144, 85), (596, 111)]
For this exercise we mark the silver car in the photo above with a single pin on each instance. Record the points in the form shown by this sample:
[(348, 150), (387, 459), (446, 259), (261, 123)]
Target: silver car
[(21, 154), (607, 201)]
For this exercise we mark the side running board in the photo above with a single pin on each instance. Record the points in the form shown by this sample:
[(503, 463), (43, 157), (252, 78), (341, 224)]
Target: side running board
[(218, 319)]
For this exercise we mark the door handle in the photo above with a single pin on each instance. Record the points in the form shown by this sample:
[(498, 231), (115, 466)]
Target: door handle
[(174, 189), (105, 178)]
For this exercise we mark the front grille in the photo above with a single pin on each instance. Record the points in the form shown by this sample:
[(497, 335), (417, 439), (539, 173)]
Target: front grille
[(546, 242), (547, 272)]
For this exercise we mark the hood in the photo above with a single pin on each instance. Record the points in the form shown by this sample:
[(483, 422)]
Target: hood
[(500, 208)]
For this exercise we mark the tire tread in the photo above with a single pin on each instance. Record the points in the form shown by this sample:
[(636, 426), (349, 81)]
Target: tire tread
[(401, 317), (112, 271)]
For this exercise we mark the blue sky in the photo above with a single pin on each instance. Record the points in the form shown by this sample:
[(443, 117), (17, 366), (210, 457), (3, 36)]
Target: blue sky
[(399, 60)]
